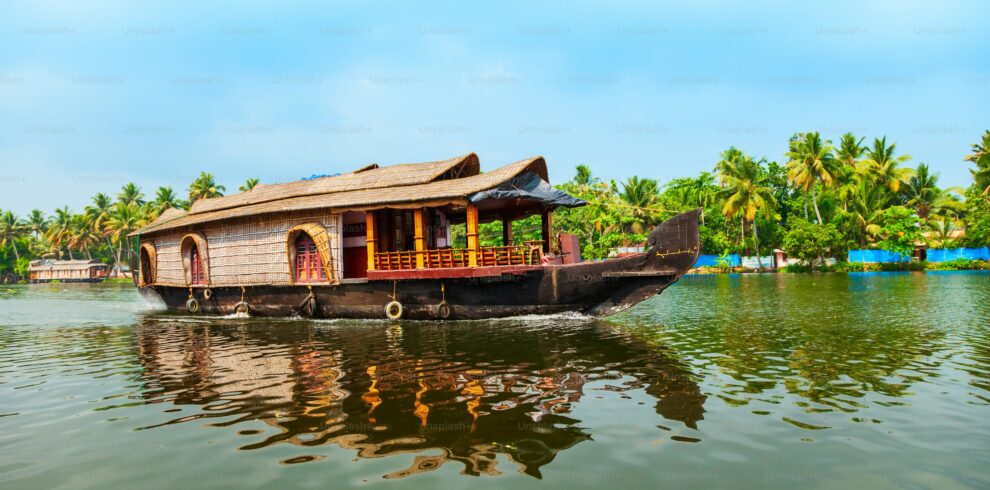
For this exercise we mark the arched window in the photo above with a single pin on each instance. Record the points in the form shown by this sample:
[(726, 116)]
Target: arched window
[(195, 259), (196, 275), (308, 266)]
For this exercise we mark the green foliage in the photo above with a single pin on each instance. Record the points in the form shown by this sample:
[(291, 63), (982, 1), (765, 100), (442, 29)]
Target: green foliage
[(899, 230), (809, 242), (823, 200)]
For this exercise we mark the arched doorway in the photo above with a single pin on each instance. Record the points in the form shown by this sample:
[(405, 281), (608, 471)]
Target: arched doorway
[(147, 265)]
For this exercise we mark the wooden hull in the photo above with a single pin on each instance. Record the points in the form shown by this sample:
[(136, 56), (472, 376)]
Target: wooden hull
[(596, 288)]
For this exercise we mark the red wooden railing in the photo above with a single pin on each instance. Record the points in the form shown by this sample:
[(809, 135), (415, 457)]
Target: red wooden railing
[(459, 257)]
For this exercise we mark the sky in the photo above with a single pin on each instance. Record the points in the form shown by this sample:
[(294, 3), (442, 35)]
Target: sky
[(96, 94)]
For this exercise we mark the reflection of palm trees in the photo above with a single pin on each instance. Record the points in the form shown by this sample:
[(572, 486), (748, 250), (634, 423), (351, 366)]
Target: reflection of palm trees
[(471, 392)]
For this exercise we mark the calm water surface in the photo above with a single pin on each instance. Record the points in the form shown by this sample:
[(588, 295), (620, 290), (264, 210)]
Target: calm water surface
[(774, 381)]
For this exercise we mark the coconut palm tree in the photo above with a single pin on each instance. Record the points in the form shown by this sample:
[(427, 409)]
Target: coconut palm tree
[(583, 176), (882, 165), (866, 210), (941, 229), (37, 223), (205, 187), (641, 195), (100, 211), (83, 234), (11, 228), (981, 150), (981, 157), (60, 230), (165, 198), (850, 150), (746, 195), (130, 194), (248, 184), (122, 221), (812, 161), (923, 194)]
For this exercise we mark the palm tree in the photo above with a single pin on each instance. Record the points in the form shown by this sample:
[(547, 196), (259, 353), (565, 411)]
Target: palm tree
[(100, 211), (867, 209), (641, 195), (130, 194), (882, 165), (37, 223), (248, 184), (583, 176), (850, 150), (981, 150), (83, 234), (923, 194), (165, 198), (746, 195), (981, 157), (204, 187), (942, 228), (10, 229), (811, 161), (122, 221), (60, 230)]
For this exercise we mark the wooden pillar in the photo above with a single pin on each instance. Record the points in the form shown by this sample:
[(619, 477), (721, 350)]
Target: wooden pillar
[(372, 240), (506, 231), (472, 235), (419, 238), (546, 223)]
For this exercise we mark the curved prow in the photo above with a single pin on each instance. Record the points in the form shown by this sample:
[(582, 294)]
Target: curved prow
[(675, 243)]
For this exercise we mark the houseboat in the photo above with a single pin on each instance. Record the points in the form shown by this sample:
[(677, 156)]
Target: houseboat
[(376, 243), (48, 270)]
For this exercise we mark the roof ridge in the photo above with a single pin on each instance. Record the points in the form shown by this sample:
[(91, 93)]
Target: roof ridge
[(365, 177)]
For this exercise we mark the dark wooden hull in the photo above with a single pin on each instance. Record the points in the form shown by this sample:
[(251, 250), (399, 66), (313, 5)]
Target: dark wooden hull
[(596, 287)]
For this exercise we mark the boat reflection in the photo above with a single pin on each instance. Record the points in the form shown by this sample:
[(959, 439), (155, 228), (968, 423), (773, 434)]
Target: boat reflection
[(465, 392)]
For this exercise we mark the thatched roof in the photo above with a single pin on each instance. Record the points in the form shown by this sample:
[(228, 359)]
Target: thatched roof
[(63, 265), (436, 183)]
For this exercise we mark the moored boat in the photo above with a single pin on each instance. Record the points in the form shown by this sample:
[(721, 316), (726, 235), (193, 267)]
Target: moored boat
[(376, 243)]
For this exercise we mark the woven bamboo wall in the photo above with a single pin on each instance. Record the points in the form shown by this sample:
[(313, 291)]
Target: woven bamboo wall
[(243, 254)]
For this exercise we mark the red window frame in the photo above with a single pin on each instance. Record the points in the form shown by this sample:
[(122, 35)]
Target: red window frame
[(196, 273), (309, 265)]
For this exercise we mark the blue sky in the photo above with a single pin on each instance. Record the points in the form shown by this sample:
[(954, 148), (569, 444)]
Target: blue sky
[(95, 94)]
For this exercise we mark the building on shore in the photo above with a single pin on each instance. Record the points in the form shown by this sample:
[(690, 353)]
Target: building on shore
[(48, 270)]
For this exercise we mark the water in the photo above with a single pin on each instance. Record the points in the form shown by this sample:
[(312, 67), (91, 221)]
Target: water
[(774, 381)]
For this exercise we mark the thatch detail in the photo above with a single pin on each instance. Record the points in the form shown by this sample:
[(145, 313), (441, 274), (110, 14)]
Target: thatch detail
[(248, 253), (185, 247), (364, 178), (437, 193), (320, 237), (148, 248)]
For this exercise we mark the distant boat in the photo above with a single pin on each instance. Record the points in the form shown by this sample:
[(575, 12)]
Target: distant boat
[(376, 243), (48, 270)]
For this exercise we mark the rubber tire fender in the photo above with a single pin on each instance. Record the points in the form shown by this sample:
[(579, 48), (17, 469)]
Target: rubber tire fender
[(192, 305), (207, 293), (393, 310), (444, 311)]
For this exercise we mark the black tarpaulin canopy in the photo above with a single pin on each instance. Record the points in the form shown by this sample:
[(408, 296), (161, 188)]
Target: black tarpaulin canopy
[(530, 187)]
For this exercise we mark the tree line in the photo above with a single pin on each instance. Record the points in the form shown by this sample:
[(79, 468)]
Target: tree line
[(824, 199), (99, 231)]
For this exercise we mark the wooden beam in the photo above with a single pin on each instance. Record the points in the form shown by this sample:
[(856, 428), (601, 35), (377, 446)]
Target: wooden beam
[(472, 235), (372, 240), (506, 231), (419, 238), (546, 222)]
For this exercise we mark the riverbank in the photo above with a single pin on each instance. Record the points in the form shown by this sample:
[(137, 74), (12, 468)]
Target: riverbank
[(915, 266)]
